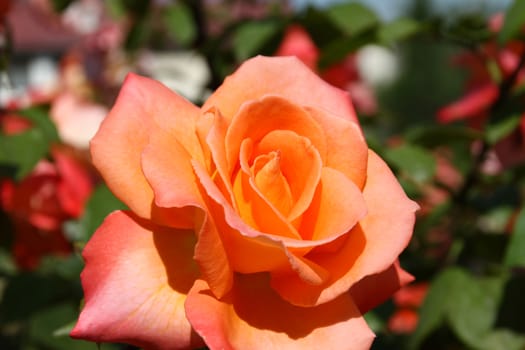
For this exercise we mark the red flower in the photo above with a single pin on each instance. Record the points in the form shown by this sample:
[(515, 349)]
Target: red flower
[(408, 299), (41, 202)]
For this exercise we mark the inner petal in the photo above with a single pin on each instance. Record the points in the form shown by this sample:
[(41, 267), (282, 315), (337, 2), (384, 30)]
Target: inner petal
[(299, 162), (271, 182)]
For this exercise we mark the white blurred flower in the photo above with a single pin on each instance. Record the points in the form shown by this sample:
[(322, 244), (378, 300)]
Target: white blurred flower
[(84, 16), (42, 74), (377, 65), (186, 73)]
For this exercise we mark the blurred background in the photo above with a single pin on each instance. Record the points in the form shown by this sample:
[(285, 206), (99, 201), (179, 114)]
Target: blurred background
[(439, 87)]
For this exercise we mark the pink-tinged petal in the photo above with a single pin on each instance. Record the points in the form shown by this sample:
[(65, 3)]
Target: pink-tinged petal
[(143, 105), (297, 42), (258, 118), (370, 247), (135, 283), (375, 289), (255, 317), (287, 77), (168, 170), (473, 104), (348, 151)]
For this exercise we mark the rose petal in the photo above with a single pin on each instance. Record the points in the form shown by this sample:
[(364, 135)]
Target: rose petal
[(336, 207), (257, 118), (142, 106), (135, 283), (257, 212), (283, 76), (167, 168), (301, 165), (370, 248), (348, 151), (375, 289), (212, 259), (247, 249), (255, 317)]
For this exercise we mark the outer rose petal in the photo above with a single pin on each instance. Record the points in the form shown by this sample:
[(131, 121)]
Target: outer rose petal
[(369, 248), (142, 106), (254, 317), (375, 289), (135, 283), (283, 76)]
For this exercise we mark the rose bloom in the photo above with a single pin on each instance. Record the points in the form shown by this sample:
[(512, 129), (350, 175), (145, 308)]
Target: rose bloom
[(259, 221), (39, 205)]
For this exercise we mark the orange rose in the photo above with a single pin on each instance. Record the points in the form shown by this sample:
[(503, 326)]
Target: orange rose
[(259, 221)]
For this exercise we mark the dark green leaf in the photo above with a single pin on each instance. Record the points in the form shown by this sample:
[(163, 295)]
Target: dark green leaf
[(435, 307), (435, 135), (352, 18), (100, 204), (514, 21), (43, 325), (180, 24), (61, 5), (339, 48), (473, 308), (250, 37), (28, 293), (414, 161), (139, 33), (515, 254), (398, 30), (22, 151), (41, 121)]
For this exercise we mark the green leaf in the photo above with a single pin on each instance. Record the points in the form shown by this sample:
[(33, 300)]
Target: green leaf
[(473, 308), (514, 21), (250, 37), (412, 160), (41, 121), (352, 18), (100, 204), (435, 306), (515, 254), (22, 151), (338, 49), (398, 30), (496, 131), (44, 324), (180, 24), (436, 135), (60, 5)]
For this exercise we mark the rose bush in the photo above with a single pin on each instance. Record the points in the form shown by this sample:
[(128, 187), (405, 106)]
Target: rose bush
[(259, 221)]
